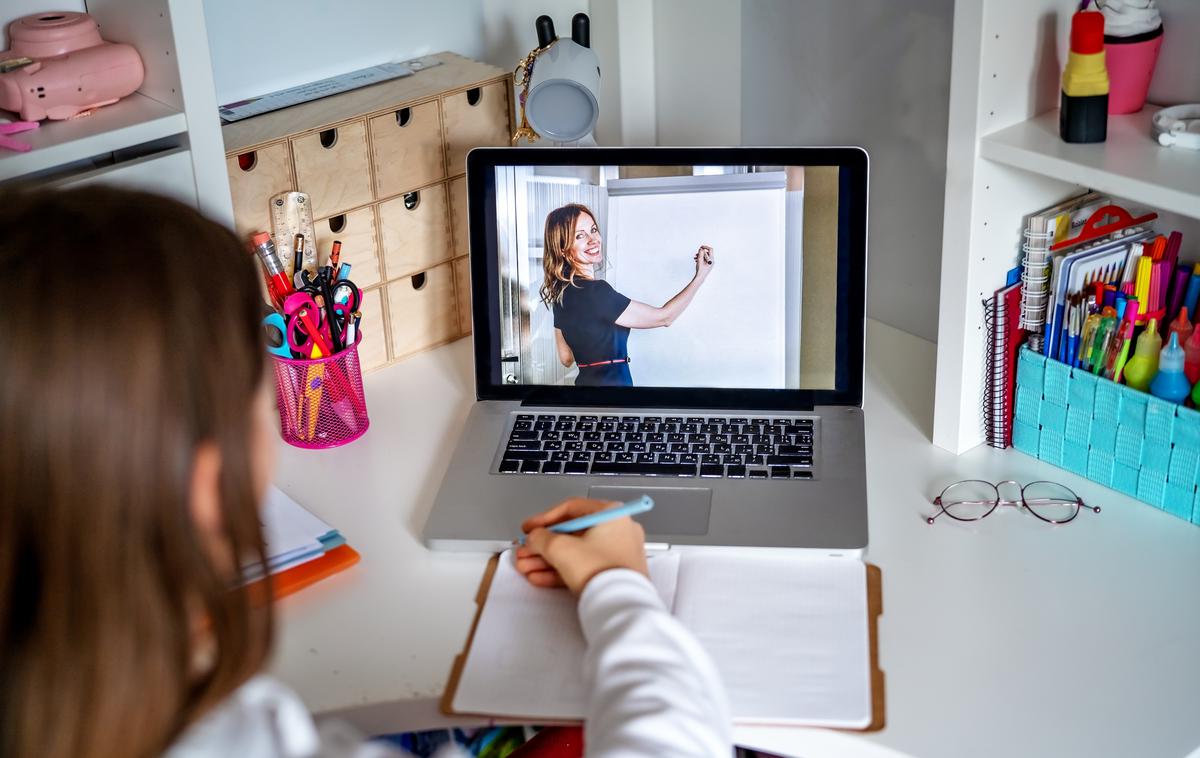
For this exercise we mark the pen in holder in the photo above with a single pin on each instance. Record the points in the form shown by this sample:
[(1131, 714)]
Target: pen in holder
[(321, 401)]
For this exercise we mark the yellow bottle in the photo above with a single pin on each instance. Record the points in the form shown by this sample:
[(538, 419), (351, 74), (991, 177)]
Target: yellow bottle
[(1142, 367)]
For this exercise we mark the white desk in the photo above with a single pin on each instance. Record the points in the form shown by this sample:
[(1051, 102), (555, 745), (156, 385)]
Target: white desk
[(1004, 638)]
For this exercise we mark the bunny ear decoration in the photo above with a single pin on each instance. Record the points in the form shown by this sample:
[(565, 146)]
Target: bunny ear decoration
[(581, 30), (545, 30)]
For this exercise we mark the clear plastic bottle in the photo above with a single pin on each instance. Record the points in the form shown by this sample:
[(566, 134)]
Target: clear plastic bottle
[(1142, 367)]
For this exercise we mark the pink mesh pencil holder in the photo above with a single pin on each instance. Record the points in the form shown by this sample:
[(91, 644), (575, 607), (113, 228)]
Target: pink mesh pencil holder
[(321, 402)]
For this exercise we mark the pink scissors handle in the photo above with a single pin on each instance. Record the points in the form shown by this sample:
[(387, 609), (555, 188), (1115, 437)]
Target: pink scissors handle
[(16, 127)]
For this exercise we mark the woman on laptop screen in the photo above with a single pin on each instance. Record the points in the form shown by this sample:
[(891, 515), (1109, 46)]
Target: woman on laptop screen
[(591, 319)]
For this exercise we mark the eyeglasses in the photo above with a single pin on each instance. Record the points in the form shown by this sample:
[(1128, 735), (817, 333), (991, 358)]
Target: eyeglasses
[(973, 499)]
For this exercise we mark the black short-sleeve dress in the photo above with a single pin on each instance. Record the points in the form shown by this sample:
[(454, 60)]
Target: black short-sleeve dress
[(587, 317)]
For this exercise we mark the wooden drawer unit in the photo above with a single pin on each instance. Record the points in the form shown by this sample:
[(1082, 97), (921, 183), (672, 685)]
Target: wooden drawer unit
[(267, 172), (415, 229), (373, 349), (458, 215), (406, 147), (423, 311), (357, 233), (332, 167), (383, 166), (475, 117), (462, 291)]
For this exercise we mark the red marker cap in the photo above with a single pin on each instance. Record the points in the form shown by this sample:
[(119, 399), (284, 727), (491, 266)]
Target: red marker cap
[(1087, 32)]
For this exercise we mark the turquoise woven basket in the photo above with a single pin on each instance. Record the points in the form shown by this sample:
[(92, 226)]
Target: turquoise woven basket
[(1131, 441)]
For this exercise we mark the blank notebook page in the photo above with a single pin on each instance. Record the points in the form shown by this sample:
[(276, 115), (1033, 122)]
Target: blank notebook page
[(526, 659), (789, 634)]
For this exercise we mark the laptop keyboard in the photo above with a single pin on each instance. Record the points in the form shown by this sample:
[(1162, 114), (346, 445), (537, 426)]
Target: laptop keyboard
[(733, 447)]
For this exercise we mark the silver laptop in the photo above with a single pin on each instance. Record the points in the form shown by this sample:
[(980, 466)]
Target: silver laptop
[(685, 323)]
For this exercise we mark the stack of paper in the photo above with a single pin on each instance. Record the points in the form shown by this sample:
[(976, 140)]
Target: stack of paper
[(300, 548)]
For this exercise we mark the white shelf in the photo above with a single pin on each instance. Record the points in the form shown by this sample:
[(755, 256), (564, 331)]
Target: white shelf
[(1130, 164), (133, 121)]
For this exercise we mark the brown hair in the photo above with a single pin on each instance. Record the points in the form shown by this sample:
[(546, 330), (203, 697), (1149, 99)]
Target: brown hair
[(561, 269), (129, 336)]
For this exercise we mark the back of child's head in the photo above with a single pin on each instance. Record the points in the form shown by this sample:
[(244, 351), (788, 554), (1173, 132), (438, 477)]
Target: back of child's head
[(129, 338)]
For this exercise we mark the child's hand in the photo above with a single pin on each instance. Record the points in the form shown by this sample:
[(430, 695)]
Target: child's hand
[(549, 559)]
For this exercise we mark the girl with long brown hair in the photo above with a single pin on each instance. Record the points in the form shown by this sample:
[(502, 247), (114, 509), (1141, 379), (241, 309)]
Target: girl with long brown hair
[(591, 319), (136, 442)]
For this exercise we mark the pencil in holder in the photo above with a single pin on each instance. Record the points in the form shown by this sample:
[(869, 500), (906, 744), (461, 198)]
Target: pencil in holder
[(321, 401)]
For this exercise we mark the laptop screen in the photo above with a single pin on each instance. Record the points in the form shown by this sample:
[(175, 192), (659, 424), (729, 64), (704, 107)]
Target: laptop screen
[(624, 275)]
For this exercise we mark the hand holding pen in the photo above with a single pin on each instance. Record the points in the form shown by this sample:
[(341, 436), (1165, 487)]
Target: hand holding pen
[(555, 559)]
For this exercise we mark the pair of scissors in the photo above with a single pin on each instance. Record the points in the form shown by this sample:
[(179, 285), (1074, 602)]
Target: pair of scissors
[(16, 127), (304, 326), (278, 339)]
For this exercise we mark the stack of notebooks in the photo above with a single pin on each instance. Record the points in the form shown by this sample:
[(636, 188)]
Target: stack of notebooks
[(300, 548)]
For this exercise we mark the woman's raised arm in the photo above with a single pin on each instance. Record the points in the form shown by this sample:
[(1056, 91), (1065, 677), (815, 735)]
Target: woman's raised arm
[(639, 315)]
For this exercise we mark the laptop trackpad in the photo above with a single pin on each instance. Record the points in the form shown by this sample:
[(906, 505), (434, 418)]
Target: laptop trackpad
[(677, 510)]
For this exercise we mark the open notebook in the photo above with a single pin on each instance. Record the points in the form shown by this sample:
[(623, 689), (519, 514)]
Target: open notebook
[(798, 650)]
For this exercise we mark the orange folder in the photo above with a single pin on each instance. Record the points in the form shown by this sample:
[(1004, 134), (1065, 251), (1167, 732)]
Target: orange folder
[(298, 577)]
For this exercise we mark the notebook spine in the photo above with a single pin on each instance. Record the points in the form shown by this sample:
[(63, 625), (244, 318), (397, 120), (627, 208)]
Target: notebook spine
[(1035, 279), (995, 396)]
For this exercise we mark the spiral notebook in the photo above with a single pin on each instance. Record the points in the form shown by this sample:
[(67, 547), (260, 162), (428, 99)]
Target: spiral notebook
[(1002, 317)]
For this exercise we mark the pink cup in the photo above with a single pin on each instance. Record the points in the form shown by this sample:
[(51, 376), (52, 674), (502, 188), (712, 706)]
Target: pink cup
[(1130, 67)]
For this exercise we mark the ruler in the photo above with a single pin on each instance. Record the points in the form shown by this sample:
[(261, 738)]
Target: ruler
[(291, 214), (334, 85)]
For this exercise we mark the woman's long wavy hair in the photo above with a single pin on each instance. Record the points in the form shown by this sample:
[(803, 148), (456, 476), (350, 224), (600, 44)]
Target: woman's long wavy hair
[(561, 269), (129, 337)]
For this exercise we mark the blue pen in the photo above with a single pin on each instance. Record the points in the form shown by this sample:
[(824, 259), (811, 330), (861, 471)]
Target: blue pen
[(632, 508)]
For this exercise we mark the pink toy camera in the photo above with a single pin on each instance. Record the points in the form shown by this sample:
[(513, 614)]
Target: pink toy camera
[(59, 67)]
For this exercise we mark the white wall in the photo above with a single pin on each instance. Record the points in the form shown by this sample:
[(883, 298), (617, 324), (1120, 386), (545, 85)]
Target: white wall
[(1177, 77), (874, 73), (260, 47), (698, 71)]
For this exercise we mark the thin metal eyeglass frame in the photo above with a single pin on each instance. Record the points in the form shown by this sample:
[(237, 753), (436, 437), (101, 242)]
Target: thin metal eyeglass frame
[(998, 501)]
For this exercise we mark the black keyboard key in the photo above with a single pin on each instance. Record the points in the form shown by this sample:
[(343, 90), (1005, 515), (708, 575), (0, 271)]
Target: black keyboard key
[(702, 448), (805, 422), (564, 426), (722, 448), (679, 447), (646, 428), (523, 436), (524, 445), (802, 475), (615, 447), (676, 437), (756, 460), (735, 460), (789, 460), (743, 449), (592, 436), (526, 455), (523, 426), (668, 458), (524, 417), (656, 437), (593, 447), (606, 426), (552, 467), (710, 428), (795, 450), (531, 467), (573, 446), (736, 472), (575, 467), (781, 472), (764, 449), (626, 426), (630, 419), (717, 419), (724, 438), (542, 426), (571, 436), (689, 428), (740, 439), (695, 420), (603, 457), (636, 447), (760, 421), (652, 419), (545, 417), (635, 437), (658, 447), (757, 473), (614, 437), (651, 469), (581, 457), (561, 457), (625, 458), (689, 458), (610, 419), (668, 428), (509, 466), (710, 458), (645, 458), (711, 470), (591, 419), (674, 419), (739, 420), (552, 445), (551, 435), (586, 426)]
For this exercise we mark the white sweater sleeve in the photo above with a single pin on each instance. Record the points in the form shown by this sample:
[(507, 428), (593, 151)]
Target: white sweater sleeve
[(653, 691)]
